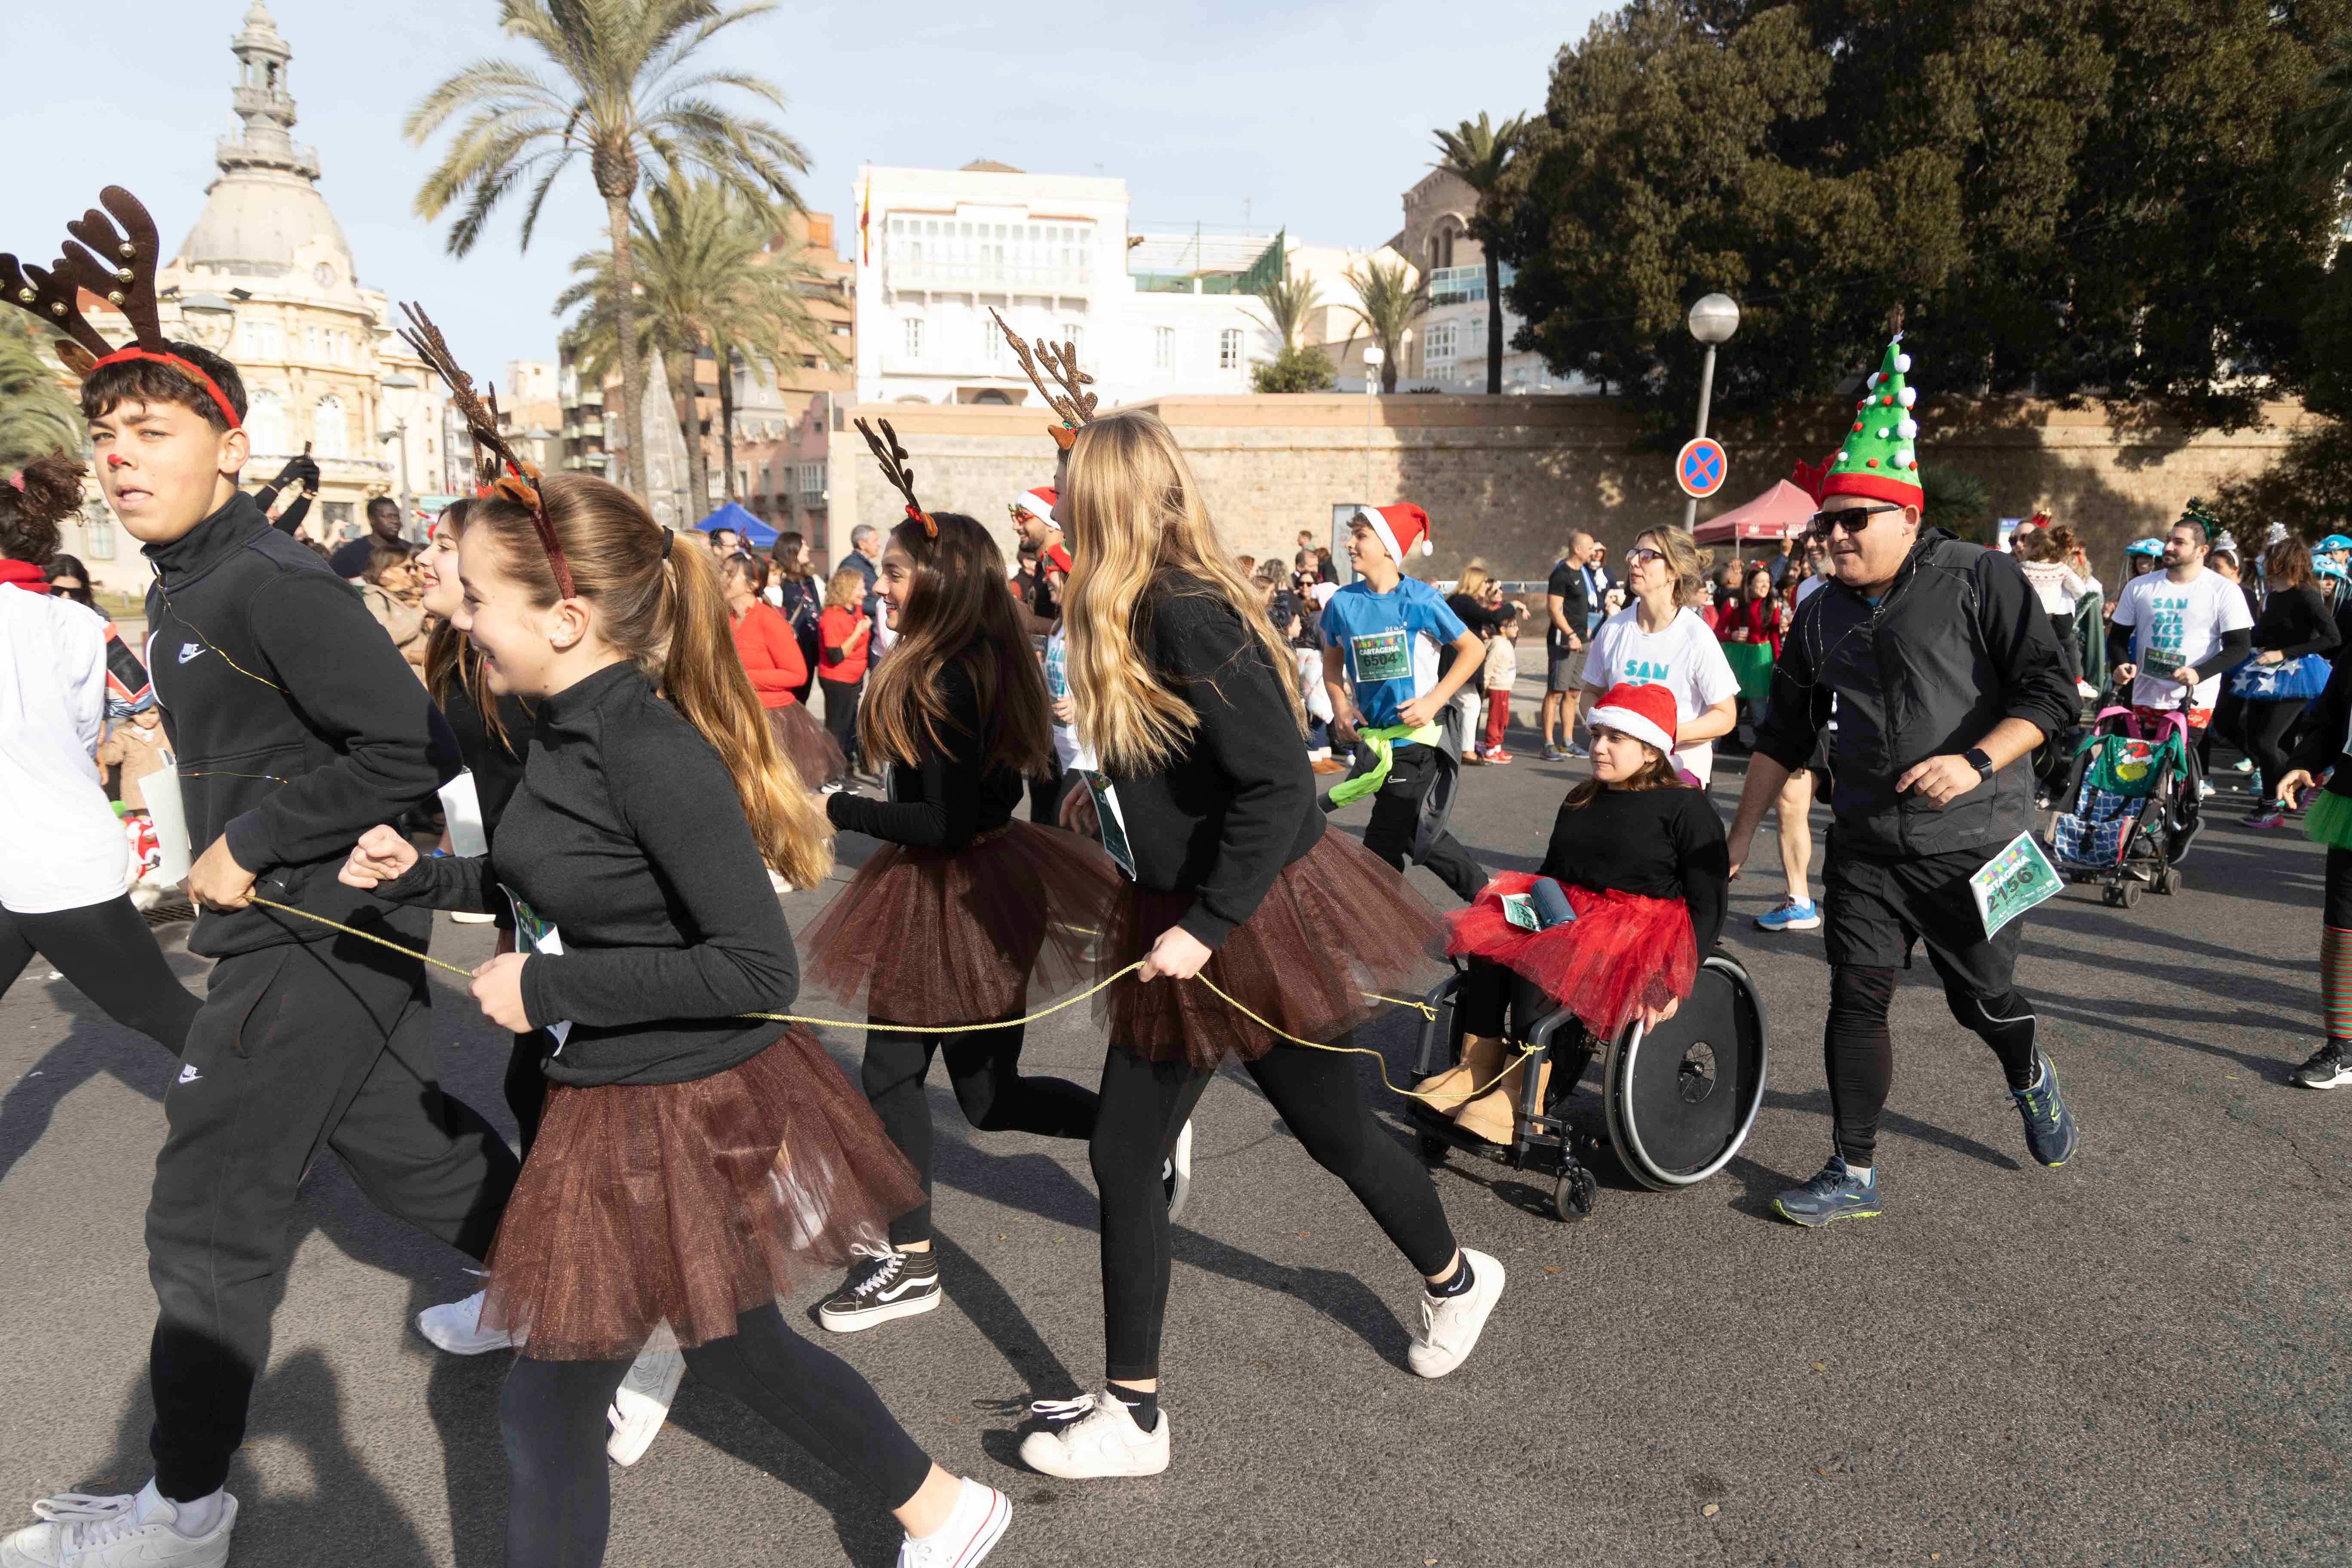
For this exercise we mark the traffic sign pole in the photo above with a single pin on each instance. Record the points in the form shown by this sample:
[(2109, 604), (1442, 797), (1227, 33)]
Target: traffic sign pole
[(1705, 395)]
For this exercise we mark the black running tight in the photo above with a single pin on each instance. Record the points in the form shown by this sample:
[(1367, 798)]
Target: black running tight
[(2263, 728), (984, 1066), (1859, 1053), (1318, 1098), (110, 956), (551, 1416)]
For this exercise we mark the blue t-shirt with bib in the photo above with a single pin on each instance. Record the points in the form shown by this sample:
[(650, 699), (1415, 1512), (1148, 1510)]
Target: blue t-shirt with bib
[(1393, 643)]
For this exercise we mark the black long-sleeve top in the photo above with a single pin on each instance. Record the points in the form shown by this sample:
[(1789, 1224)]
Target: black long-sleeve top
[(948, 798), (2235, 646), (2326, 733), (627, 835), (2295, 622), (1658, 843), (1222, 817), (295, 723), (1473, 613)]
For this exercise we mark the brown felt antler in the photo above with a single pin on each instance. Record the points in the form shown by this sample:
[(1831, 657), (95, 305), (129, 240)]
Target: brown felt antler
[(893, 459), (118, 264), (1074, 403), (519, 483), (53, 298)]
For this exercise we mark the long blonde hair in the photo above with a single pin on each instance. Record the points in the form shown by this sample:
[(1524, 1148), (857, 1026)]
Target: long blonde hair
[(1684, 558), (1473, 580), (1135, 518), (659, 603)]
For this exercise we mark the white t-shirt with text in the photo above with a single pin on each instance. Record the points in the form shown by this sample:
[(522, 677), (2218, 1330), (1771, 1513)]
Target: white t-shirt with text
[(1686, 657), (2173, 623)]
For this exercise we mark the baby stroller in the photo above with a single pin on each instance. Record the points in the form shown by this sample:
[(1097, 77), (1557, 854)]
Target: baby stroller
[(1677, 1100), (2132, 807)]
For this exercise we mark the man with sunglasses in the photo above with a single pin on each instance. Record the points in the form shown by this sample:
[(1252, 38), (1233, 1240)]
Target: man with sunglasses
[(1946, 675)]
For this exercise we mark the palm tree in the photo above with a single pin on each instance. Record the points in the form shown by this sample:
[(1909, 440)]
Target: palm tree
[(1287, 301), (36, 416), (624, 95), (706, 281), (1478, 155), (1390, 300)]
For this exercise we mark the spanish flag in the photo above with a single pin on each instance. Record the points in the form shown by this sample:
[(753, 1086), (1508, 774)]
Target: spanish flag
[(865, 223)]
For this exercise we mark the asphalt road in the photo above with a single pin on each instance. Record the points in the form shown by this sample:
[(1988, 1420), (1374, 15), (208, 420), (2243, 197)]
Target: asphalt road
[(2140, 1358)]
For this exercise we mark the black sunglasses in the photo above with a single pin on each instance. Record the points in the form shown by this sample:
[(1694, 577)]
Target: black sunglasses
[(1853, 519)]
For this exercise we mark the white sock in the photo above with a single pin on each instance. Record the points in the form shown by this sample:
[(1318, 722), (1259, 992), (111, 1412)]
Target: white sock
[(192, 1520), (1858, 1173)]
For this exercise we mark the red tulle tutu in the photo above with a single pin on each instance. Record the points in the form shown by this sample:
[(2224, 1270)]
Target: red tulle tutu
[(660, 1212), (1621, 953), (814, 754), (1338, 921), (966, 936)]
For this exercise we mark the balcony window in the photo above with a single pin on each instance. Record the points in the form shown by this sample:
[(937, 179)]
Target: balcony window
[(1072, 333), (914, 329), (1163, 348), (812, 484), (1437, 345), (1229, 349)]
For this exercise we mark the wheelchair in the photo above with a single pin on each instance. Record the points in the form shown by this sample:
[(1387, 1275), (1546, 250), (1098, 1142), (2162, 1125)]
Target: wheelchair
[(1676, 1100)]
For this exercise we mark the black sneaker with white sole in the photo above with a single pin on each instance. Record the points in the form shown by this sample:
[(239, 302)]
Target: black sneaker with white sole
[(895, 1285), (2327, 1069)]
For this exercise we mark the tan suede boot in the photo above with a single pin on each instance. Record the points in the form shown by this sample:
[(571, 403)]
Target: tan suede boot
[(1481, 1059), (1493, 1114)]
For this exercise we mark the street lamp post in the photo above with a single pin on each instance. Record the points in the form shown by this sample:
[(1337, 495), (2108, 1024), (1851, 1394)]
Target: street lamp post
[(400, 382), (1712, 320), (1373, 357)]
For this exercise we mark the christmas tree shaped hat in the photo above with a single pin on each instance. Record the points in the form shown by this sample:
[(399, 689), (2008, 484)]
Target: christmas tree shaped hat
[(1879, 457)]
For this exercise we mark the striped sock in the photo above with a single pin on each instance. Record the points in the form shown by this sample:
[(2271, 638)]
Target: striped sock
[(2335, 982)]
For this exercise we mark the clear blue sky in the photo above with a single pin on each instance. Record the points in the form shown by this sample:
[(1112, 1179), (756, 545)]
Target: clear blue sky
[(1317, 116)]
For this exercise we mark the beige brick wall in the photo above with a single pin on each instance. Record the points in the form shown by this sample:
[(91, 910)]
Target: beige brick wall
[(1507, 479)]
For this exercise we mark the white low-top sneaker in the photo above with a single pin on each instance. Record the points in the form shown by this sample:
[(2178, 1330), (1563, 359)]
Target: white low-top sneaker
[(642, 1403), (1450, 1325), (78, 1531), (973, 1528), (1176, 1175), (456, 1327), (1095, 1434)]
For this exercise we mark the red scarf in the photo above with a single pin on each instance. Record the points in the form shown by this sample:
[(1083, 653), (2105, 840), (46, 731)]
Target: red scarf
[(24, 575)]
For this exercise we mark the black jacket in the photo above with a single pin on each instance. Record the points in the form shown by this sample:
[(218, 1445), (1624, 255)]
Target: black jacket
[(296, 724), (1957, 642)]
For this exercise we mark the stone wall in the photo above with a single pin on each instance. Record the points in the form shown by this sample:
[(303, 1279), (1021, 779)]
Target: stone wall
[(1507, 480)]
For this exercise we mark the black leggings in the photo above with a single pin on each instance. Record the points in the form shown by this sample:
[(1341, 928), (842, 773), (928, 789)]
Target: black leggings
[(551, 1416), (984, 1065), (110, 956), (841, 714), (1144, 1106), (1859, 1053), (1494, 1001), (2263, 726), (526, 1088)]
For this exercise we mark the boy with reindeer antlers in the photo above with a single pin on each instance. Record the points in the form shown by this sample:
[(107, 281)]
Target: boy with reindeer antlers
[(298, 728)]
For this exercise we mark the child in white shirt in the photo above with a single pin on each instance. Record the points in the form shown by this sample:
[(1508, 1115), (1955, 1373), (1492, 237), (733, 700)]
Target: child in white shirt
[(1501, 674)]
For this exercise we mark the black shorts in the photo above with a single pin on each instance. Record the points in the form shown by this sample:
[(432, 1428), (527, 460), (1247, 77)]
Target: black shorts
[(1873, 909)]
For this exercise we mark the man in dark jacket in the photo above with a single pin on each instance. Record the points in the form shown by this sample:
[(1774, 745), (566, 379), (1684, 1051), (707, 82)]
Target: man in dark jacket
[(1946, 674)]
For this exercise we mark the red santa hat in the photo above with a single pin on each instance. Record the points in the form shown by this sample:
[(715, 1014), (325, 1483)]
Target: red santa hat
[(1645, 712), (1404, 529), (1038, 502)]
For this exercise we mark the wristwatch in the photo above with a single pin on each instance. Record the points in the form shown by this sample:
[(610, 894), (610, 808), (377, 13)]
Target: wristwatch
[(1975, 757)]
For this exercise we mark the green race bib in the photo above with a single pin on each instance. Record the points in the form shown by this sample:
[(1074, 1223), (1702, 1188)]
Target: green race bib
[(1383, 656), (2013, 882)]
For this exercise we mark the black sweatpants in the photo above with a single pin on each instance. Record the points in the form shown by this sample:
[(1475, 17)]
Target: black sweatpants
[(2264, 726), (1873, 909), (299, 1047), (1396, 821), (551, 1417), (1318, 1098), (1494, 1001), (841, 715), (984, 1066), (525, 1087), (110, 956)]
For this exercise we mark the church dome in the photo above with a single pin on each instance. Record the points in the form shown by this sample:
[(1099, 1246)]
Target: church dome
[(265, 208)]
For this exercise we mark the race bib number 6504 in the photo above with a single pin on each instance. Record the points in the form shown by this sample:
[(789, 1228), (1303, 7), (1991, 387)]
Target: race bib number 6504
[(1382, 656)]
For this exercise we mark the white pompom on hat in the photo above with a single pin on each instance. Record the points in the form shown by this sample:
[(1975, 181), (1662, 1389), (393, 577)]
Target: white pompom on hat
[(1403, 527), (1645, 712)]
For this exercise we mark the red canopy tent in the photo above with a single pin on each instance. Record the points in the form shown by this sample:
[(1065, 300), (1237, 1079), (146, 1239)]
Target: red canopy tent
[(1773, 516)]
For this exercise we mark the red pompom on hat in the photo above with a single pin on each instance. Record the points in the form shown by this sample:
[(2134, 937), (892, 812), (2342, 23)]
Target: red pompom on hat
[(1403, 527), (1645, 712)]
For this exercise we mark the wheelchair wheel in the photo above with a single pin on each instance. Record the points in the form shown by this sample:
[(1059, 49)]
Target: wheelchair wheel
[(1572, 1194), (1681, 1098)]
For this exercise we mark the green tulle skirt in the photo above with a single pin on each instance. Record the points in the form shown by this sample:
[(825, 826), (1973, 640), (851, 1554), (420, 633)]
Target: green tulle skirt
[(2329, 820)]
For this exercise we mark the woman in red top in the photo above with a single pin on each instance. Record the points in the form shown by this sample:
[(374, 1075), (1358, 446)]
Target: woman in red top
[(772, 658), (844, 636), (1754, 615)]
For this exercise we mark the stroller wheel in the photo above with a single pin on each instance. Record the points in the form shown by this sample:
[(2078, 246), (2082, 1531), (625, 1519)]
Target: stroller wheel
[(1572, 1194), (2122, 896), (2168, 881)]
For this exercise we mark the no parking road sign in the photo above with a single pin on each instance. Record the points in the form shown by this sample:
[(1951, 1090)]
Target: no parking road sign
[(1701, 468)]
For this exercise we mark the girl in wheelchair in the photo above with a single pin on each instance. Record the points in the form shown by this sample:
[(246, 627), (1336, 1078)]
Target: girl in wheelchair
[(1640, 858)]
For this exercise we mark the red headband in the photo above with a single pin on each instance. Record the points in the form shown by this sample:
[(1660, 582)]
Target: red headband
[(184, 368), (929, 528)]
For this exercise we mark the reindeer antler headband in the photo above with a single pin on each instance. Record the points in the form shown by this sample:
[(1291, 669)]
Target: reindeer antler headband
[(1074, 403), (119, 266), (893, 459), (519, 483)]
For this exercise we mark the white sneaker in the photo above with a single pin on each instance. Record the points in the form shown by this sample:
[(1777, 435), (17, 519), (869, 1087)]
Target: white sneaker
[(1176, 1175), (456, 1327), (78, 1531), (471, 917), (642, 1404), (1450, 1325), (1098, 1437), (973, 1528)]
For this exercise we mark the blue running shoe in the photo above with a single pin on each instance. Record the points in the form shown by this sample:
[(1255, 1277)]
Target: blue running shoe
[(1836, 1193), (2049, 1125), (1791, 914)]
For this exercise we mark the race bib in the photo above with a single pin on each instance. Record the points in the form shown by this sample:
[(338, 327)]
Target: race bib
[(538, 936), (1520, 911), (1057, 670), (1382, 656), (2013, 882), (1112, 822)]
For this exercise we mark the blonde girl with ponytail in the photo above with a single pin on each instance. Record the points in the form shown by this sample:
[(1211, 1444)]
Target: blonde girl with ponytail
[(1661, 638), (693, 1163), (1189, 696)]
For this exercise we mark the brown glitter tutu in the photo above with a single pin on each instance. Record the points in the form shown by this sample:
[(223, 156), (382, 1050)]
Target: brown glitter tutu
[(1338, 921), (807, 745), (659, 1212), (968, 935)]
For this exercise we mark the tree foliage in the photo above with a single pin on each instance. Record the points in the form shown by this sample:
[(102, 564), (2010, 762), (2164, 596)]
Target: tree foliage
[(1288, 301), (38, 415), (1479, 154), (1390, 298), (1295, 369), (2068, 197)]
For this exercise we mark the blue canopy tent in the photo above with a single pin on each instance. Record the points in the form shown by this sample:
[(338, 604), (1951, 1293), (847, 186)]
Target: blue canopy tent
[(757, 534)]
